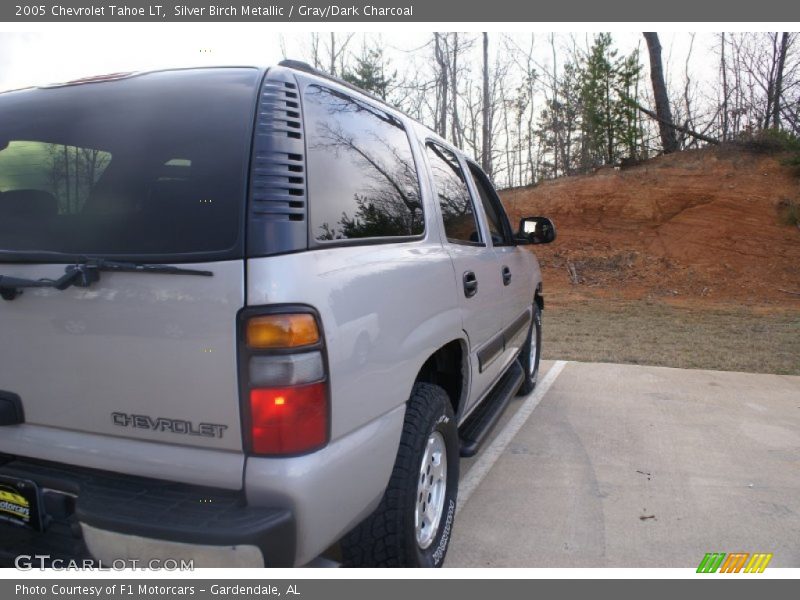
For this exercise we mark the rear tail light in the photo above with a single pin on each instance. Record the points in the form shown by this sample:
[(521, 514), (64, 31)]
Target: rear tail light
[(284, 383)]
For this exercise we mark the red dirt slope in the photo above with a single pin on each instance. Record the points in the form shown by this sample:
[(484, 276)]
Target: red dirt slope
[(700, 227)]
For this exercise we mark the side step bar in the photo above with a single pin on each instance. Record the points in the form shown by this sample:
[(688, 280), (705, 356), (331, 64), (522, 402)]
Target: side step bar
[(480, 423)]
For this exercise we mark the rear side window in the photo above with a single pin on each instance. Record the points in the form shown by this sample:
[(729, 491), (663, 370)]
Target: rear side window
[(152, 166), (455, 203), (362, 181)]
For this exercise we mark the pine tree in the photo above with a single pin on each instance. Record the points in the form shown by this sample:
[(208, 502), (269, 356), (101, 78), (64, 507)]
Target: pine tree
[(598, 129), (627, 114), (610, 129), (559, 125), (369, 73)]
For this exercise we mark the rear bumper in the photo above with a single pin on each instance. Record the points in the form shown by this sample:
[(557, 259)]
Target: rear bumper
[(115, 519)]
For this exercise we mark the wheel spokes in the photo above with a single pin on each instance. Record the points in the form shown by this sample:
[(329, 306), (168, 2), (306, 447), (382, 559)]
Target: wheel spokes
[(431, 488)]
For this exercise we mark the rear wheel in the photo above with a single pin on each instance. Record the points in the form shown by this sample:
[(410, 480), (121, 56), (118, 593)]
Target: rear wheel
[(531, 351), (413, 524)]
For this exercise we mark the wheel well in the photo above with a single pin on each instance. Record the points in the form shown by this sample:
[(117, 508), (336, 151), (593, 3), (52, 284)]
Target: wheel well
[(446, 368), (538, 298)]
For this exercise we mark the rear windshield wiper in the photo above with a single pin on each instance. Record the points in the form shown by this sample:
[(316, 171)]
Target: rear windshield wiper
[(85, 273)]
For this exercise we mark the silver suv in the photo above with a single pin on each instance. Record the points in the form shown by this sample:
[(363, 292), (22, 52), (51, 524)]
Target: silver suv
[(247, 314)]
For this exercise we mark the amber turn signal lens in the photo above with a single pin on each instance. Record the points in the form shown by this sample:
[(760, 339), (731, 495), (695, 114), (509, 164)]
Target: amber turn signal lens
[(282, 331)]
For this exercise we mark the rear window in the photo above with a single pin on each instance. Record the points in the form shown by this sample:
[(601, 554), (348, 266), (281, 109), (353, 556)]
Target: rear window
[(147, 167)]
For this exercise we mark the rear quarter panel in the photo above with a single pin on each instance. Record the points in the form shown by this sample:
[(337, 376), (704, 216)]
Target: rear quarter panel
[(384, 309)]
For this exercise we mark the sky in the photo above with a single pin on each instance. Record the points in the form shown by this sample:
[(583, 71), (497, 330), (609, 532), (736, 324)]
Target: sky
[(70, 52)]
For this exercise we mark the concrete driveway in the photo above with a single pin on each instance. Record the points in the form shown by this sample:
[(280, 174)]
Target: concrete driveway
[(630, 466)]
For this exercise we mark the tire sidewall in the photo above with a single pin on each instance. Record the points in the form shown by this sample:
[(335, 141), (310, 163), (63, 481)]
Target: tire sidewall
[(529, 382), (433, 556), (536, 329)]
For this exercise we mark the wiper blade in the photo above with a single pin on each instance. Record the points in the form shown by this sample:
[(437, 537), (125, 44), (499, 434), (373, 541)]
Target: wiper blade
[(102, 264), (85, 273)]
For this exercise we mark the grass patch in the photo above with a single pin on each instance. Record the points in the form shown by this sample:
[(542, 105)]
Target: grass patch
[(655, 334)]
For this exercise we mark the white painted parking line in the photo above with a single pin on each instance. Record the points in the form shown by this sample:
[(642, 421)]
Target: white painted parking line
[(490, 454)]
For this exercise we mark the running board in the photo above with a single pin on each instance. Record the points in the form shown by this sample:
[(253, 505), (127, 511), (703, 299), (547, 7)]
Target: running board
[(480, 423)]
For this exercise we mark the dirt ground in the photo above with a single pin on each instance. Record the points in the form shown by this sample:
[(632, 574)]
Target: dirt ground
[(701, 227), (697, 236)]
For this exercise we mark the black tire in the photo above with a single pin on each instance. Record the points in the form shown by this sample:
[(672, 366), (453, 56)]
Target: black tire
[(388, 537), (525, 358)]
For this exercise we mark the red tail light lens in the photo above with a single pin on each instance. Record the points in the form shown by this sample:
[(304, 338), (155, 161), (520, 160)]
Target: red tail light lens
[(289, 420)]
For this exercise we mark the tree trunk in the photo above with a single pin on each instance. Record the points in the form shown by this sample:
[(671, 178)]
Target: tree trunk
[(455, 121), (776, 105), (724, 68), (554, 108), (486, 150), (771, 75), (609, 122), (332, 67), (668, 139), (441, 61), (507, 132), (696, 135)]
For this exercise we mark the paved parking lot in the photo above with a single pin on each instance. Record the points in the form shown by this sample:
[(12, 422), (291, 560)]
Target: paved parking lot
[(630, 466)]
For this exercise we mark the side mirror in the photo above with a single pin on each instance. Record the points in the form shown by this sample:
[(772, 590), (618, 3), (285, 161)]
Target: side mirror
[(536, 230)]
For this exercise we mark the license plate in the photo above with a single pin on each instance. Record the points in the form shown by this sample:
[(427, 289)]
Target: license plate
[(19, 502)]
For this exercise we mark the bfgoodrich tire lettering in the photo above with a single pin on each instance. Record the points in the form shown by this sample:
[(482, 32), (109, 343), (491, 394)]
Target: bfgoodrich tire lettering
[(389, 537)]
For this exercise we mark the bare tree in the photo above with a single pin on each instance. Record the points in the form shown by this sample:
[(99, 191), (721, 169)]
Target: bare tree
[(525, 110), (725, 93), (472, 110), (486, 113), (455, 134), (556, 129), (669, 141), (761, 82), (687, 89), (315, 51), (440, 56), (776, 108), (529, 88), (336, 52)]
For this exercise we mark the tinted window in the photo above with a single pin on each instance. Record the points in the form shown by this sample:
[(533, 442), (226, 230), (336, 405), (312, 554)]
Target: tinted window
[(490, 202), (151, 166), (362, 181), (454, 199)]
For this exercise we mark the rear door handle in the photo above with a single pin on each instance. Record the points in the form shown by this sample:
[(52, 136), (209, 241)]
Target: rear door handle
[(506, 275), (470, 284)]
